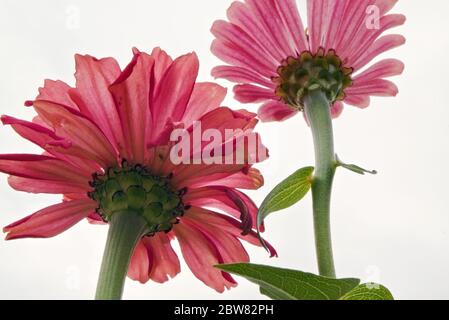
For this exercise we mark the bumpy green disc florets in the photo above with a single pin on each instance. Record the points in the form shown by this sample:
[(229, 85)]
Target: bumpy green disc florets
[(308, 72), (136, 189)]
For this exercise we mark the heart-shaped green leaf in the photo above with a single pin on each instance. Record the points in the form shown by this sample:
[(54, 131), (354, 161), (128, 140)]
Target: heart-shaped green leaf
[(287, 193), (285, 284), (368, 291)]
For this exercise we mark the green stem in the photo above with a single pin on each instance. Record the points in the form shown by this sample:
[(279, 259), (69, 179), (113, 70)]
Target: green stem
[(317, 108), (126, 228)]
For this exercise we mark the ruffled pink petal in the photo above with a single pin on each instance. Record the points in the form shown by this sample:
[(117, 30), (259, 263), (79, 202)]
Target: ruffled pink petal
[(131, 93), (377, 87), (162, 61), (234, 126), (87, 140), (93, 78), (227, 245), (140, 264), (227, 224), (249, 178), (205, 97), (164, 262), (45, 186), (247, 93), (382, 69), (57, 91), (35, 133), (275, 111), (48, 140), (226, 199), (172, 97), (42, 168), (50, 221), (201, 256)]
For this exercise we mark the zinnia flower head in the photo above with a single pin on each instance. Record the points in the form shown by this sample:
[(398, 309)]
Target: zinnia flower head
[(277, 61), (107, 148)]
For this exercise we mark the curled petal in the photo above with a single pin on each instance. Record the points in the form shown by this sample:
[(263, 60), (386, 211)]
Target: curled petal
[(50, 221)]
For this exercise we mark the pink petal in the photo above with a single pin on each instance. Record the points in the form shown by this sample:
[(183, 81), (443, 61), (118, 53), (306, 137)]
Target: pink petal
[(162, 61), (362, 101), (174, 94), (58, 92), (274, 25), (337, 109), (205, 97), (50, 221), (295, 30), (227, 224), (42, 168), (247, 93), (351, 23), (222, 199), (228, 246), (245, 17), (139, 264), (385, 5), (45, 186), (275, 111), (377, 87), (249, 178), (48, 140), (241, 75), (201, 257), (381, 45), (93, 78), (131, 93), (87, 140), (382, 69), (233, 54), (165, 263), (229, 33), (35, 133), (366, 37)]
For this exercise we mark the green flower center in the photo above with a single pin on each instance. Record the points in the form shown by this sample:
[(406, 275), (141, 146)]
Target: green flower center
[(308, 72), (134, 188)]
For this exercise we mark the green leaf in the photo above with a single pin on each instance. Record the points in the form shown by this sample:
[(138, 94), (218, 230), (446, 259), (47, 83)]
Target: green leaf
[(287, 193), (354, 168), (286, 284), (284, 195), (368, 291)]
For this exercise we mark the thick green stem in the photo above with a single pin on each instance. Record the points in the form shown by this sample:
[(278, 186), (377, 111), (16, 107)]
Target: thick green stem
[(317, 108), (126, 228)]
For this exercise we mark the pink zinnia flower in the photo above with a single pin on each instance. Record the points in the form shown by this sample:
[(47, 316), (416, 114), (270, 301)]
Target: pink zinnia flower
[(107, 147), (276, 60)]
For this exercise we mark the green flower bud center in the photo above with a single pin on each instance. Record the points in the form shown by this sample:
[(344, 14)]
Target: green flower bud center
[(136, 189), (308, 72)]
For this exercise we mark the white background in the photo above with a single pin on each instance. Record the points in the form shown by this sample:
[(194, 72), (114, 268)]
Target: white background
[(391, 228)]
